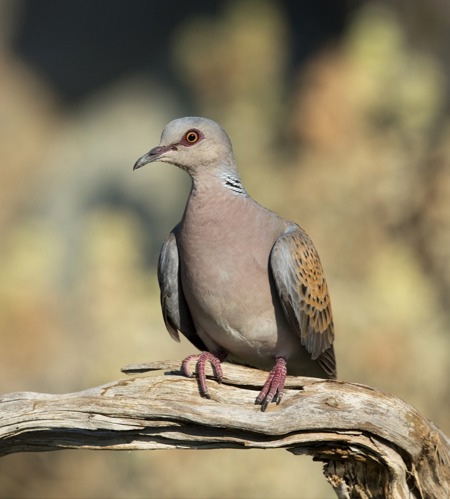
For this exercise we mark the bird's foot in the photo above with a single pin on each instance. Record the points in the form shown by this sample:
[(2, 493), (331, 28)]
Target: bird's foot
[(274, 385), (201, 359)]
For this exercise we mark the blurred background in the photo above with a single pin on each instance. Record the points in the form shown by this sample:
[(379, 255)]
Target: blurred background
[(339, 115)]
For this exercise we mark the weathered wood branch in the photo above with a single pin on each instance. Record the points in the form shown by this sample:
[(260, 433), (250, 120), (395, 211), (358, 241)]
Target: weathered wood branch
[(372, 444)]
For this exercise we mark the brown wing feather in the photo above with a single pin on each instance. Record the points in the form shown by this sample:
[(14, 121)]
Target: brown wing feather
[(303, 292)]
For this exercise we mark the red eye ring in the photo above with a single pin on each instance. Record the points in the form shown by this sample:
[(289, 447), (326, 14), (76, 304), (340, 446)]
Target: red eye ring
[(192, 136)]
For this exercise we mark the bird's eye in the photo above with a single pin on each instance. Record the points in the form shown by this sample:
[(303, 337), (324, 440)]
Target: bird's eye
[(192, 136)]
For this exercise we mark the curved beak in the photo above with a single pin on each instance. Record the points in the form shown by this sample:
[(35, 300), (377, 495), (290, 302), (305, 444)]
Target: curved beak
[(152, 155)]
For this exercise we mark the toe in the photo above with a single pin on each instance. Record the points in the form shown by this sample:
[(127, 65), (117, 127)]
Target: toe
[(274, 385)]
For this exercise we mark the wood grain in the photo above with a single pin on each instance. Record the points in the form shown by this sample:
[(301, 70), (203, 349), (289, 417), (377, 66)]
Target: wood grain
[(372, 443)]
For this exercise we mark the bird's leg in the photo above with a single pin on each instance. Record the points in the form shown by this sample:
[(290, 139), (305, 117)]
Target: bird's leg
[(274, 385), (202, 358)]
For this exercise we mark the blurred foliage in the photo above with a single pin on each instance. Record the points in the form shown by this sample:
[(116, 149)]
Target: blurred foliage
[(354, 145)]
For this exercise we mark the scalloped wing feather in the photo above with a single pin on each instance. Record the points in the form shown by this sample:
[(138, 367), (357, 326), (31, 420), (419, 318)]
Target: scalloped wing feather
[(304, 295)]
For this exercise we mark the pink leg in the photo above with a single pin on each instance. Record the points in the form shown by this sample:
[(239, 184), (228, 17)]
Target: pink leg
[(274, 385), (202, 358)]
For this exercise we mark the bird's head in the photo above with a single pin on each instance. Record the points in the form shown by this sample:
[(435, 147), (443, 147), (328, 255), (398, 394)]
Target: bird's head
[(194, 144)]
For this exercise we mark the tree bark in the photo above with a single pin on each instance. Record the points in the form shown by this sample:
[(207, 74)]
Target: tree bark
[(372, 444)]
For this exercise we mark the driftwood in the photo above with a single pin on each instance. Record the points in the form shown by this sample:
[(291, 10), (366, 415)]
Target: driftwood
[(372, 444)]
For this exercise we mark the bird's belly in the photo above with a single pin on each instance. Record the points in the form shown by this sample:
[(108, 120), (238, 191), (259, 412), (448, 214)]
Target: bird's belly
[(235, 311), (228, 285)]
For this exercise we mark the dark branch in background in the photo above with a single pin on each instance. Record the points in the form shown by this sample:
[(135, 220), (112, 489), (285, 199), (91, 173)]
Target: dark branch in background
[(372, 444)]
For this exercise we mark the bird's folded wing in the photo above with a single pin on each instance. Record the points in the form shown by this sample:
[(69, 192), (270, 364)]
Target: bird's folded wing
[(176, 314), (303, 293)]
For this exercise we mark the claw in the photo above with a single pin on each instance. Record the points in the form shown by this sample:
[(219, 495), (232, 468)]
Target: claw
[(274, 385), (202, 358)]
